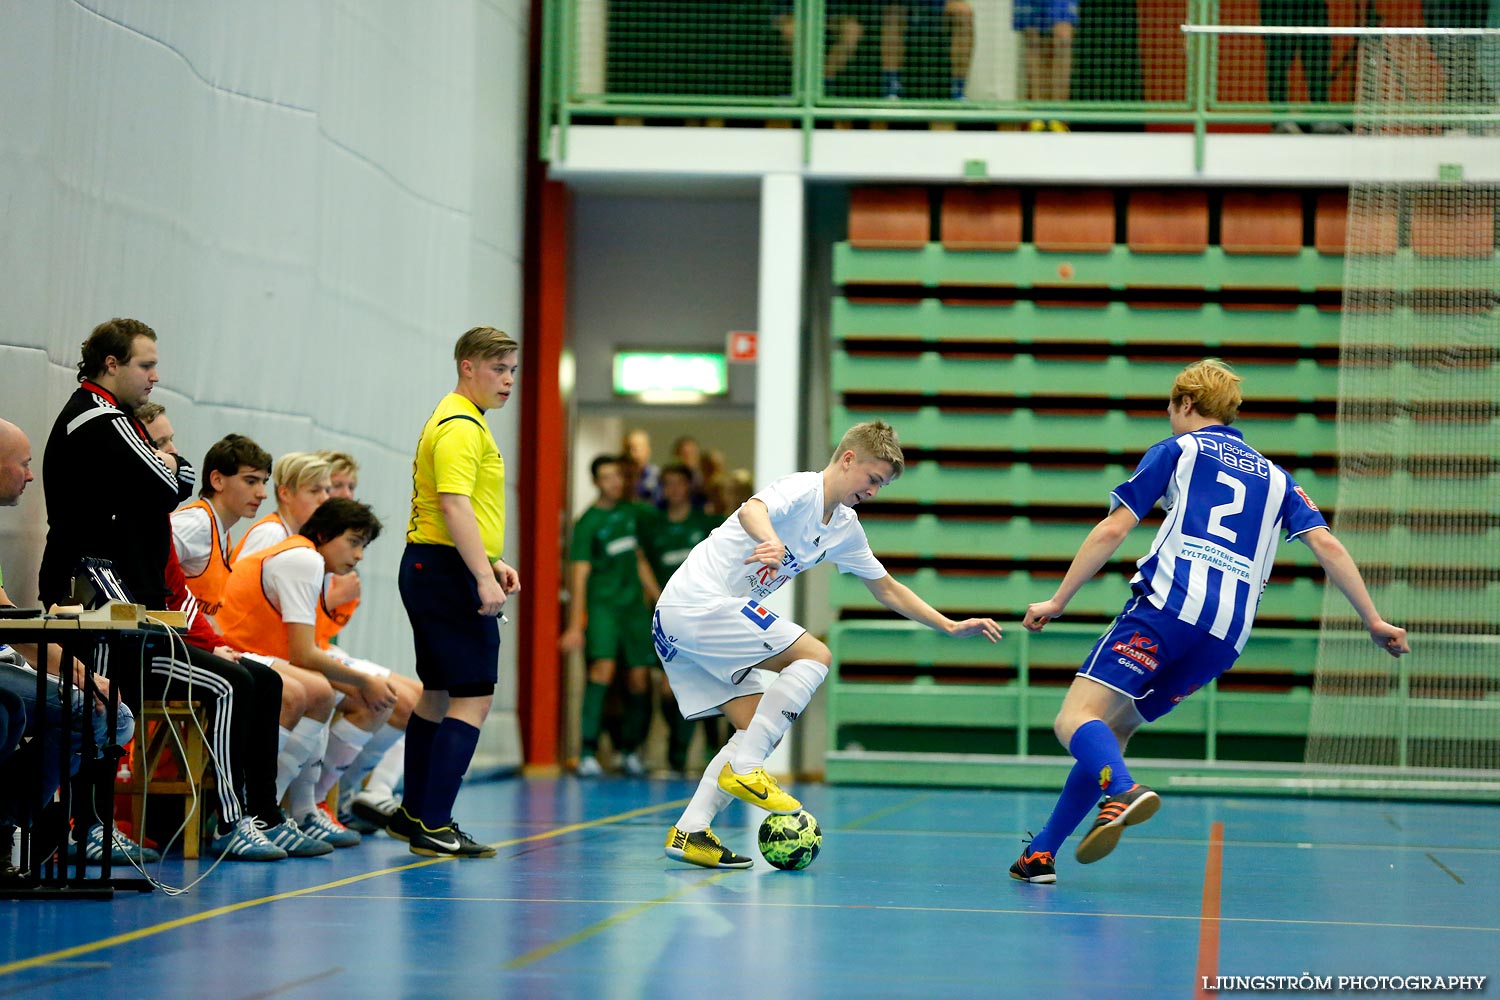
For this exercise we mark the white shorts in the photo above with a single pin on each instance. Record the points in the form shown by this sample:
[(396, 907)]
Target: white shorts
[(709, 652), (354, 663)]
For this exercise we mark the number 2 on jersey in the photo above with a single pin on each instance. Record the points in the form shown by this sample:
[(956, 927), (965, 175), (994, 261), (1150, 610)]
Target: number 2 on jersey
[(1218, 512)]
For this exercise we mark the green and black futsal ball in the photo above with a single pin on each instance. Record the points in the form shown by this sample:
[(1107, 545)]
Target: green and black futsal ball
[(791, 842)]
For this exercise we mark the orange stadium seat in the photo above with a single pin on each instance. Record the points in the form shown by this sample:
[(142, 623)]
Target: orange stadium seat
[(981, 218), (1261, 223), (1441, 228), (1331, 222), (1167, 222), (889, 218), (1074, 221)]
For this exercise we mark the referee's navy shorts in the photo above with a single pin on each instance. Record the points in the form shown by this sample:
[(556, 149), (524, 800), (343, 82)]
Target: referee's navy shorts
[(456, 645)]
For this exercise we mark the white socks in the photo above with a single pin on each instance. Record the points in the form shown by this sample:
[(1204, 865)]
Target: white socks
[(389, 772), (709, 799), (345, 741), (374, 753), (779, 707), (302, 796), (301, 742)]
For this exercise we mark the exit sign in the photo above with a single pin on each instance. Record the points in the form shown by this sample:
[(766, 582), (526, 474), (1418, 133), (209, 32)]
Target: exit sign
[(742, 345)]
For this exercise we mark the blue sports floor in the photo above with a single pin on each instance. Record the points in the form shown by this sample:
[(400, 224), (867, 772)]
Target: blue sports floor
[(910, 898)]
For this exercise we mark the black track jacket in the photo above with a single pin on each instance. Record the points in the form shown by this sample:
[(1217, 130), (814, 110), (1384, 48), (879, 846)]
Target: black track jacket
[(108, 496)]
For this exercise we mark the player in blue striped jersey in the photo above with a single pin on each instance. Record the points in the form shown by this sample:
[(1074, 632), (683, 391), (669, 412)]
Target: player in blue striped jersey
[(1192, 604)]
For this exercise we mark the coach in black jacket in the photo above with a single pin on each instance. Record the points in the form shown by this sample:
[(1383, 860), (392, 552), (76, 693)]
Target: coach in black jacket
[(109, 491), (110, 495)]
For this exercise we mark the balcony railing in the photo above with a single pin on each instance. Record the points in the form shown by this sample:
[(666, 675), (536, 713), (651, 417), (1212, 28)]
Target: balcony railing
[(1119, 64)]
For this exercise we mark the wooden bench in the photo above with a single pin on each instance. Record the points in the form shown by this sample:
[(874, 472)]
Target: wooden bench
[(154, 746)]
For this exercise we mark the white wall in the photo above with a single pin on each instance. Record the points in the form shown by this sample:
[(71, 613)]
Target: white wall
[(309, 202)]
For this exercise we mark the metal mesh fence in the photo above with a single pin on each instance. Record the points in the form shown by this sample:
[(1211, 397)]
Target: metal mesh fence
[(965, 53), (1304, 69)]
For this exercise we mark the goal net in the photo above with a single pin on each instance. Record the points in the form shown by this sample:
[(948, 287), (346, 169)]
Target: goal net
[(1418, 503)]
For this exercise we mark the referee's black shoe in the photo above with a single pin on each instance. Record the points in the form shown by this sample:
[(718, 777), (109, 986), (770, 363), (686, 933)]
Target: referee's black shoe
[(402, 824), (447, 841)]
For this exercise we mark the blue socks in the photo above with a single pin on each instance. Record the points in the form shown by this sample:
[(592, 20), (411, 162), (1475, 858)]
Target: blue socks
[(1079, 796), (452, 748), (1096, 748), (1100, 771), (419, 736)]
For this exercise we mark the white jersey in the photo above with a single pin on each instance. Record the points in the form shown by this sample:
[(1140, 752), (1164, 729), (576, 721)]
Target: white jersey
[(716, 567), (263, 536), (293, 582), (193, 537)]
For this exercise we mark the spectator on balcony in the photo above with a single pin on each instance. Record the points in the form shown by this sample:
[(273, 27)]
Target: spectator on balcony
[(843, 27), (1046, 28), (894, 19), (1283, 50)]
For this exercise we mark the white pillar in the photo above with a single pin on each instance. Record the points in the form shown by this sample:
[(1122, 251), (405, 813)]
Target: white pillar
[(778, 365)]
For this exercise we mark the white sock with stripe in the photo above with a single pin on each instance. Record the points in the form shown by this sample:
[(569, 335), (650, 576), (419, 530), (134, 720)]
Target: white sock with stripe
[(709, 800), (345, 741), (374, 752), (779, 707), (302, 797), (389, 771), (301, 742)]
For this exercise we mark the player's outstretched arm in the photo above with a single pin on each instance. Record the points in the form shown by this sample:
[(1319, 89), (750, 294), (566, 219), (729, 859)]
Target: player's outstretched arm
[(1096, 550), (903, 600), (756, 520), (1339, 565)]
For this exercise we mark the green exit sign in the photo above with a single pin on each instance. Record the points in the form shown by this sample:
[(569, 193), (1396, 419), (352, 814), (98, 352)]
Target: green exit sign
[(658, 376)]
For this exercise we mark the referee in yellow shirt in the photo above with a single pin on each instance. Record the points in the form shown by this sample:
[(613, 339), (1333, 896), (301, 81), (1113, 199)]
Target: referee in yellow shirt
[(454, 584)]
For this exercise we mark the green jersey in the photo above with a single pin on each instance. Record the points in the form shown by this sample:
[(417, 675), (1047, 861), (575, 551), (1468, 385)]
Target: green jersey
[(607, 540), (669, 542)]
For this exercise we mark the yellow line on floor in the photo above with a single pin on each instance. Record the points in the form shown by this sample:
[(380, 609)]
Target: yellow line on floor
[(537, 954), (64, 954), (887, 811)]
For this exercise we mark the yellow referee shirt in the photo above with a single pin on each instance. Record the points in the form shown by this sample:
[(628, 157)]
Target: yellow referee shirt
[(457, 454)]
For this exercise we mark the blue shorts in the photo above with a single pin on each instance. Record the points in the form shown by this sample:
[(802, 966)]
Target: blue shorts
[(1043, 14), (1156, 659), (456, 645)]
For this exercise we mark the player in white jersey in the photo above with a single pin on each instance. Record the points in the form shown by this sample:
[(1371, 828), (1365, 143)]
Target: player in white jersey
[(712, 632), (1193, 602)]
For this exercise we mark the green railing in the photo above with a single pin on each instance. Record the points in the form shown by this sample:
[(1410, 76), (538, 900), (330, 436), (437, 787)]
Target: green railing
[(1123, 65), (993, 730)]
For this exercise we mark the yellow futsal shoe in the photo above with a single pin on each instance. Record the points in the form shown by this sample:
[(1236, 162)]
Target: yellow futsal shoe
[(703, 849), (759, 789)]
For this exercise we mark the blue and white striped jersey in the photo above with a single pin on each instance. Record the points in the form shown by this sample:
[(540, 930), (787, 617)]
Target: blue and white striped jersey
[(1225, 503)]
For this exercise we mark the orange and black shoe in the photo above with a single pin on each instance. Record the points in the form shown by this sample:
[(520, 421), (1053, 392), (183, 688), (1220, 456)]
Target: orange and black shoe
[(1034, 866), (1134, 805)]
